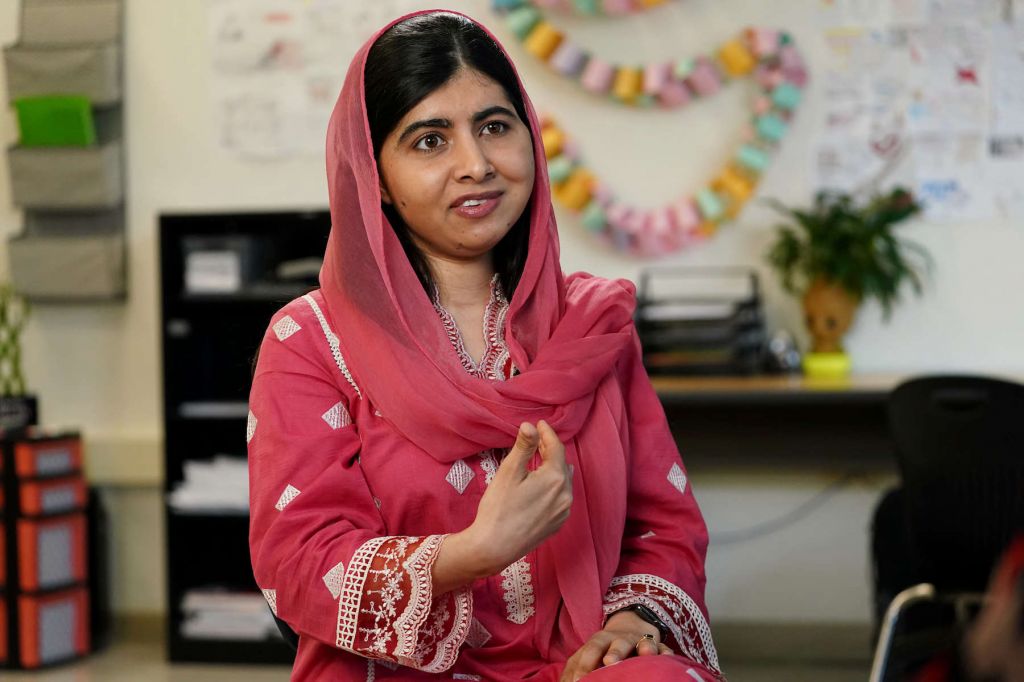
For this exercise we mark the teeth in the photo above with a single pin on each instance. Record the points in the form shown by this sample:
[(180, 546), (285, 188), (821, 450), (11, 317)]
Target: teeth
[(472, 202)]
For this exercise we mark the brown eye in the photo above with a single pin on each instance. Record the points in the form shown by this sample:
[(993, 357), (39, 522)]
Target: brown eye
[(429, 142), (496, 127)]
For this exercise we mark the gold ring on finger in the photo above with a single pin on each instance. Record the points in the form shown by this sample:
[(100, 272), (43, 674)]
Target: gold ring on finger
[(647, 636)]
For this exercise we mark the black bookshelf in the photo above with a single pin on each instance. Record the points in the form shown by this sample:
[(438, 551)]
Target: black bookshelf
[(209, 339)]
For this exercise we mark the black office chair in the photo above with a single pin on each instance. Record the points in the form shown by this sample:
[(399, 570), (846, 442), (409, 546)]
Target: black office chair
[(960, 447), (290, 637)]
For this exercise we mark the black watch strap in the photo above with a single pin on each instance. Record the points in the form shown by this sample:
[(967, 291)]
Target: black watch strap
[(650, 616)]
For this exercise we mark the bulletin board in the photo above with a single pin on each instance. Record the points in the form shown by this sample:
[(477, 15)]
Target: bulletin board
[(928, 94), (277, 67)]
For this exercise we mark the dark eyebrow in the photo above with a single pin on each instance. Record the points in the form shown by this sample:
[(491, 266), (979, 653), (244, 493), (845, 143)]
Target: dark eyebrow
[(491, 111), (428, 123), (446, 123)]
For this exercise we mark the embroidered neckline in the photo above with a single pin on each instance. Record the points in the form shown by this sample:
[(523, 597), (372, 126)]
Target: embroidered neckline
[(495, 356)]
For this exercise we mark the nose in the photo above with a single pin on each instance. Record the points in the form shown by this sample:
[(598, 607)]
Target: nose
[(472, 163)]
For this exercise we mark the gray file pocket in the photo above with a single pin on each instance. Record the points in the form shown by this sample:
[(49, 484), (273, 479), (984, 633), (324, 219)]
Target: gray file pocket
[(70, 257), (68, 22), (66, 178), (92, 71)]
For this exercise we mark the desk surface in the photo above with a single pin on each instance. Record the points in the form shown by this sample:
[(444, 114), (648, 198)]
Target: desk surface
[(775, 389), (780, 423)]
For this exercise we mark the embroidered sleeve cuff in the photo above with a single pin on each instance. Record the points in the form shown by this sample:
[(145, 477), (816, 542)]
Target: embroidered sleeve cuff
[(386, 608), (675, 608)]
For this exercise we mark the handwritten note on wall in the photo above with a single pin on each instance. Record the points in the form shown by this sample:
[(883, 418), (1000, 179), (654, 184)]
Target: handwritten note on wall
[(929, 94), (278, 65)]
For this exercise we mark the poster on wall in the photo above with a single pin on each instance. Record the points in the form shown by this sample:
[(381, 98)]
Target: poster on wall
[(277, 67), (928, 94)]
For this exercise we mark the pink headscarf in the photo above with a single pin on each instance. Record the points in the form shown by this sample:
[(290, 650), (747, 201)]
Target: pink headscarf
[(565, 334)]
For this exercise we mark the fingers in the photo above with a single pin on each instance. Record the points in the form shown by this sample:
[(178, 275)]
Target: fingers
[(618, 650), (647, 647), (590, 656), (665, 650), (552, 450)]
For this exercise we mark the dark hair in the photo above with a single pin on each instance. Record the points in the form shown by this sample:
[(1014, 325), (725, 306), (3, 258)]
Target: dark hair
[(408, 62)]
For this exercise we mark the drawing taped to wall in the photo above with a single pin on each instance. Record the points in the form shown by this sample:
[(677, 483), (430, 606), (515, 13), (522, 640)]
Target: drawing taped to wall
[(927, 94)]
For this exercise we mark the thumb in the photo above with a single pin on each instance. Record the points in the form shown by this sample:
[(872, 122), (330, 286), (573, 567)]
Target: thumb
[(526, 444)]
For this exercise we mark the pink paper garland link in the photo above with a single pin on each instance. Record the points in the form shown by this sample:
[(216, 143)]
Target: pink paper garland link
[(779, 75), (769, 54)]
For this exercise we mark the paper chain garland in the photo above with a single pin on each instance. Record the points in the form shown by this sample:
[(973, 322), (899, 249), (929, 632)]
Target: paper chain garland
[(592, 7), (766, 54)]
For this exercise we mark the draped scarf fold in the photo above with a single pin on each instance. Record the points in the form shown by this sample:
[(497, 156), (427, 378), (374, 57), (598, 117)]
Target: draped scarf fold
[(566, 335)]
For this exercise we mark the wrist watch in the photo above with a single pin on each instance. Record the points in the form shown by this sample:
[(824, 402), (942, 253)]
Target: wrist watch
[(648, 615)]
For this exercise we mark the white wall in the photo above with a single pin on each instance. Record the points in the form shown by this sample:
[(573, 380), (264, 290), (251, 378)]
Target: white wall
[(98, 367)]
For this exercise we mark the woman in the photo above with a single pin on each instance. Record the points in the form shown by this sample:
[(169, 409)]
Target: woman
[(459, 469)]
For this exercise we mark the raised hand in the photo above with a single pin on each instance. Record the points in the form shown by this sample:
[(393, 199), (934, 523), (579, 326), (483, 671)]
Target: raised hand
[(519, 510)]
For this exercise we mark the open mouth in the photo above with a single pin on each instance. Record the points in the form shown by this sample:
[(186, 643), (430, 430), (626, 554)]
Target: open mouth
[(478, 207)]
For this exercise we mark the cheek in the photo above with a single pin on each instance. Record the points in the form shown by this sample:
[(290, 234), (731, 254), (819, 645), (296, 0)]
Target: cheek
[(527, 170), (416, 186), (517, 161)]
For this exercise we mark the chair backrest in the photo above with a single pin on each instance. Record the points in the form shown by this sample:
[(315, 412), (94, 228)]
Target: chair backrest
[(960, 445)]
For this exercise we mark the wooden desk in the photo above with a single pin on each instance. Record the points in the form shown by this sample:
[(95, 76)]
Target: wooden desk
[(780, 423)]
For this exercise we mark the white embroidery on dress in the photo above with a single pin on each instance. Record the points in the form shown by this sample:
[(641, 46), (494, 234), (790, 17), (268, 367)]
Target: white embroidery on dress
[(648, 534), (352, 591), (694, 674), (464, 676), (332, 341), (477, 635), (377, 503), (337, 417), (285, 327), (408, 624), (489, 464), (376, 413), (250, 427), (390, 665), (518, 587), (382, 603), (460, 475), (371, 671), (333, 579), (289, 494), (423, 624), (677, 478), (271, 597), (495, 356), (672, 605), (447, 649)]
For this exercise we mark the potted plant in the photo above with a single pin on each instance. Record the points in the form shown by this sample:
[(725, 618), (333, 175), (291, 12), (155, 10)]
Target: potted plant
[(840, 253), (17, 409)]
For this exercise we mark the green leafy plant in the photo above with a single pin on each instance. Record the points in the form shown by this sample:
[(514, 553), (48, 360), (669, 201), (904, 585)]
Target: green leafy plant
[(851, 244)]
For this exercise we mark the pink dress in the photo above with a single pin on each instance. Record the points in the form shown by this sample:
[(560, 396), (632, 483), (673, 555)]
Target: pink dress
[(343, 534)]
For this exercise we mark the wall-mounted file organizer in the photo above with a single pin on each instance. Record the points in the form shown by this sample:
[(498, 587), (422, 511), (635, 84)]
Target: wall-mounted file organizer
[(65, 257), (73, 246), (93, 71), (45, 579), (70, 22), (67, 178)]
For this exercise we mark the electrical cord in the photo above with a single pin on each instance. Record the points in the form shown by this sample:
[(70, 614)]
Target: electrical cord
[(800, 512)]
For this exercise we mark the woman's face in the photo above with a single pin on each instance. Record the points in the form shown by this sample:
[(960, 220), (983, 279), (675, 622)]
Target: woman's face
[(459, 168)]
